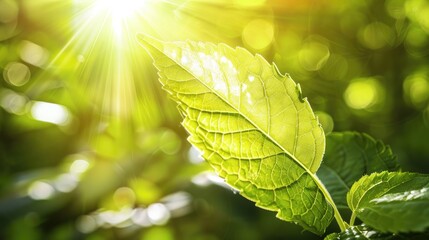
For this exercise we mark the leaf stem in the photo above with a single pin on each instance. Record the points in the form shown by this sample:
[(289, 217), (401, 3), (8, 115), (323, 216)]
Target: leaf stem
[(328, 197), (352, 219)]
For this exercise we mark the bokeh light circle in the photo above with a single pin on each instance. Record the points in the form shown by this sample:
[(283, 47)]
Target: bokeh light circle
[(258, 34)]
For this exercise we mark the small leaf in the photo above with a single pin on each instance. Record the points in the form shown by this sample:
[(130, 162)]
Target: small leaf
[(362, 232), (251, 125), (391, 201), (348, 157)]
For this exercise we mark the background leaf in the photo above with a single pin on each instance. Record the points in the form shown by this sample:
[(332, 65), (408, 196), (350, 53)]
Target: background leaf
[(251, 124), (391, 201), (348, 157), (363, 232)]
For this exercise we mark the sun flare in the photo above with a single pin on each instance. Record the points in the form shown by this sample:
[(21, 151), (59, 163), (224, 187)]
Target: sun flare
[(118, 8), (108, 61), (120, 12)]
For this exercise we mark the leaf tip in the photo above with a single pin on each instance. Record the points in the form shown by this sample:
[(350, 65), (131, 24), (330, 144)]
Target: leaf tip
[(148, 42), (141, 38)]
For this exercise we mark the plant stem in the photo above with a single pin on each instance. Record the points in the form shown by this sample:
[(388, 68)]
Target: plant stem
[(328, 197)]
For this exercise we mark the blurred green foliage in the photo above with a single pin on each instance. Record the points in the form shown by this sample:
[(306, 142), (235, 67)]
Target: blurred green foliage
[(92, 148)]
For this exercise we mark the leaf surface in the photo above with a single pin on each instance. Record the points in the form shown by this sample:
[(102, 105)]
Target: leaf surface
[(392, 201), (251, 125), (348, 157)]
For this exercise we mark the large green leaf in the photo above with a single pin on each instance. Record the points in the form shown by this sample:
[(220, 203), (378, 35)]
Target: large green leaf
[(348, 157), (251, 124), (391, 201)]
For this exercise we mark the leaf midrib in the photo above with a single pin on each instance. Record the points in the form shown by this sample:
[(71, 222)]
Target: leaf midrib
[(145, 37), (257, 127), (384, 192)]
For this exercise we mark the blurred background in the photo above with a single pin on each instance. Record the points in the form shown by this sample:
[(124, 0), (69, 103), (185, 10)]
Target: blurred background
[(92, 148)]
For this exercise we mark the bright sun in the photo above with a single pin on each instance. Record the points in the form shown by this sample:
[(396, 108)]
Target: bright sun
[(120, 11), (121, 8)]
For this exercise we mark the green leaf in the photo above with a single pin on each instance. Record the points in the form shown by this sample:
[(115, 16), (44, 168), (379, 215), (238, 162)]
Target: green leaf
[(391, 201), (348, 157), (251, 125), (362, 232)]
